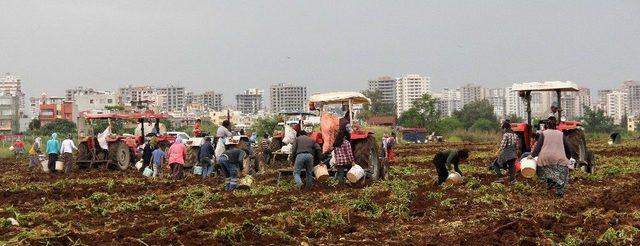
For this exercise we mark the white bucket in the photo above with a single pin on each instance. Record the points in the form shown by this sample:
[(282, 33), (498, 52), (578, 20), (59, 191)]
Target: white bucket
[(528, 167), (59, 165), (454, 178), (355, 173), (147, 172), (246, 182), (45, 166), (321, 172), (139, 165)]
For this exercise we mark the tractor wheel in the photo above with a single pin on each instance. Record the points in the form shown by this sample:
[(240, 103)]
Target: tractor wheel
[(276, 144), (120, 155), (192, 156), (365, 152)]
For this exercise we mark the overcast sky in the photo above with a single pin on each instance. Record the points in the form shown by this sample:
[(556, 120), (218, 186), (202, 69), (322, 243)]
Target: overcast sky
[(228, 46)]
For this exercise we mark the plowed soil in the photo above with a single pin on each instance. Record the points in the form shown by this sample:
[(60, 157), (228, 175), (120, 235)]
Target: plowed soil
[(105, 207)]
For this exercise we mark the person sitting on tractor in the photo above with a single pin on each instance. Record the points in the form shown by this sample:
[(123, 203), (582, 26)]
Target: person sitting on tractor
[(553, 152), (197, 128), (554, 111), (342, 148), (443, 160)]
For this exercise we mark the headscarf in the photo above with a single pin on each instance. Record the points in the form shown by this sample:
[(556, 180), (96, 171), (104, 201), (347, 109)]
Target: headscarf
[(179, 139), (37, 140), (54, 136)]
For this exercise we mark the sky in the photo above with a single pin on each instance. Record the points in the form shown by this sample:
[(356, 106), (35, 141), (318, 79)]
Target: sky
[(229, 46)]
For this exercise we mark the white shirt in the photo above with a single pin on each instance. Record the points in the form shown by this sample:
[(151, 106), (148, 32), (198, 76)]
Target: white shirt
[(223, 132), (68, 146)]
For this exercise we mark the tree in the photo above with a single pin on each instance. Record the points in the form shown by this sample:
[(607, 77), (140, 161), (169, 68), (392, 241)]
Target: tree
[(266, 124), (474, 111), (483, 125), (423, 113), (448, 125), (60, 126), (34, 125), (377, 106), (596, 121)]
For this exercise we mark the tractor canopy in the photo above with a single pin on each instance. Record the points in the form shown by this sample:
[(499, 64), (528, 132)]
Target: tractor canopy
[(339, 98), (546, 86)]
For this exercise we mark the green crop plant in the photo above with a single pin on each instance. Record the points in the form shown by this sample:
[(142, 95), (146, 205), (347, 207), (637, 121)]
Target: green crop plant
[(473, 183), (325, 218), (435, 195), (365, 204), (448, 203), (623, 236), (523, 188)]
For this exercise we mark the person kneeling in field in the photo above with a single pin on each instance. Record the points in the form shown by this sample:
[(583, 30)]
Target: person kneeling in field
[(443, 160), (230, 160)]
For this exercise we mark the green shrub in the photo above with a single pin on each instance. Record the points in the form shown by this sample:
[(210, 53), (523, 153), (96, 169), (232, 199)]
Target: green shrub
[(326, 218)]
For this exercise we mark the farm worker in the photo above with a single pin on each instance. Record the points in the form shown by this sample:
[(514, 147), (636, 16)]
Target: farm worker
[(176, 154), (205, 157), (230, 160), (388, 144), (34, 152), (265, 145), (553, 152), (444, 159), (18, 148), (342, 148), (304, 149), (53, 150), (197, 128), (507, 153), (67, 152), (147, 153), (221, 134), (157, 157), (554, 111)]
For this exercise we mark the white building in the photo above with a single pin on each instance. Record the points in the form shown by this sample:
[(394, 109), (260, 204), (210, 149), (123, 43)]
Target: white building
[(387, 87), (409, 88), (616, 105), (470, 93), (602, 99), (70, 94), (97, 102), (134, 96), (288, 97), (250, 101), (173, 98), (632, 88), (449, 101), (514, 104), (211, 100), (12, 85)]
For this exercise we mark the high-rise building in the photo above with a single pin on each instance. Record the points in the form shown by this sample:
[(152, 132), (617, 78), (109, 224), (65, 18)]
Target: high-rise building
[(514, 104), (210, 100), (70, 94), (173, 98), (448, 101), (617, 105), (96, 101), (52, 108), (9, 113), (135, 96), (387, 87), (250, 101), (632, 88), (470, 93), (12, 85), (288, 97), (602, 99), (409, 88), (497, 99)]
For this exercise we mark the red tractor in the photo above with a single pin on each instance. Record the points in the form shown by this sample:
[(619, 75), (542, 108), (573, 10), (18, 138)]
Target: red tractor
[(117, 151), (571, 129)]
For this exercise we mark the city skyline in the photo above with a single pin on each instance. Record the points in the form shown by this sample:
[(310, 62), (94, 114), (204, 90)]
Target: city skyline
[(330, 47)]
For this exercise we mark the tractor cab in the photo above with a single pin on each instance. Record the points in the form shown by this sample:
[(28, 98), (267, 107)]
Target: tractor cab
[(113, 149), (571, 129), (363, 143)]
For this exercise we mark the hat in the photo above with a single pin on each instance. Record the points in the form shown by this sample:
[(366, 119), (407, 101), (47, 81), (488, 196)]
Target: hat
[(554, 104)]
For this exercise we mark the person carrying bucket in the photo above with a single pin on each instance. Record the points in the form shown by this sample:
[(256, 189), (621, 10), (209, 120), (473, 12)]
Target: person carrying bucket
[(53, 150), (342, 149), (507, 153), (230, 160), (444, 159), (35, 152), (176, 154), (157, 158), (553, 152), (67, 152), (304, 149)]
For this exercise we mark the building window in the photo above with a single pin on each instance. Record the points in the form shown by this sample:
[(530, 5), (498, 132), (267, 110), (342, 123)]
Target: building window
[(91, 101)]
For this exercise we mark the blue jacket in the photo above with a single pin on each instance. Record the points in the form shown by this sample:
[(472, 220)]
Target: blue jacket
[(53, 145), (206, 151)]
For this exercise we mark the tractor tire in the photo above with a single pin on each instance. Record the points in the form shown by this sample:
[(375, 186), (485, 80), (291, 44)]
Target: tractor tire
[(192, 156), (365, 152), (120, 155)]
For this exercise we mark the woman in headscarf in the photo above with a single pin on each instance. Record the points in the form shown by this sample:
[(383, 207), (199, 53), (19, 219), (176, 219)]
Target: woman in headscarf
[(507, 153), (53, 150), (34, 152), (176, 154), (553, 152), (342, 148)]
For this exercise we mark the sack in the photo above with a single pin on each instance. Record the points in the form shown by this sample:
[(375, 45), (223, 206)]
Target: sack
[(32, 150), (329, 125), (139, 165), (11, 148), (289, 135), (147, 172), (219, 147)]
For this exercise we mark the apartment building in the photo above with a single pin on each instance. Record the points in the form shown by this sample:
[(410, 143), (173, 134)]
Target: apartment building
[(9, 114), (387, 87), (287, 97), (409, 88), (250, 101), (12, 85)]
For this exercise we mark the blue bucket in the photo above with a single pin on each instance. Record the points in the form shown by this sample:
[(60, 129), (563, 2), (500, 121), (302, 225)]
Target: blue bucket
[(147, 172), (197, 170)]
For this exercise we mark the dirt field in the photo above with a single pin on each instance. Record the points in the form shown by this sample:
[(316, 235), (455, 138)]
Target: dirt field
[(123, 208)]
